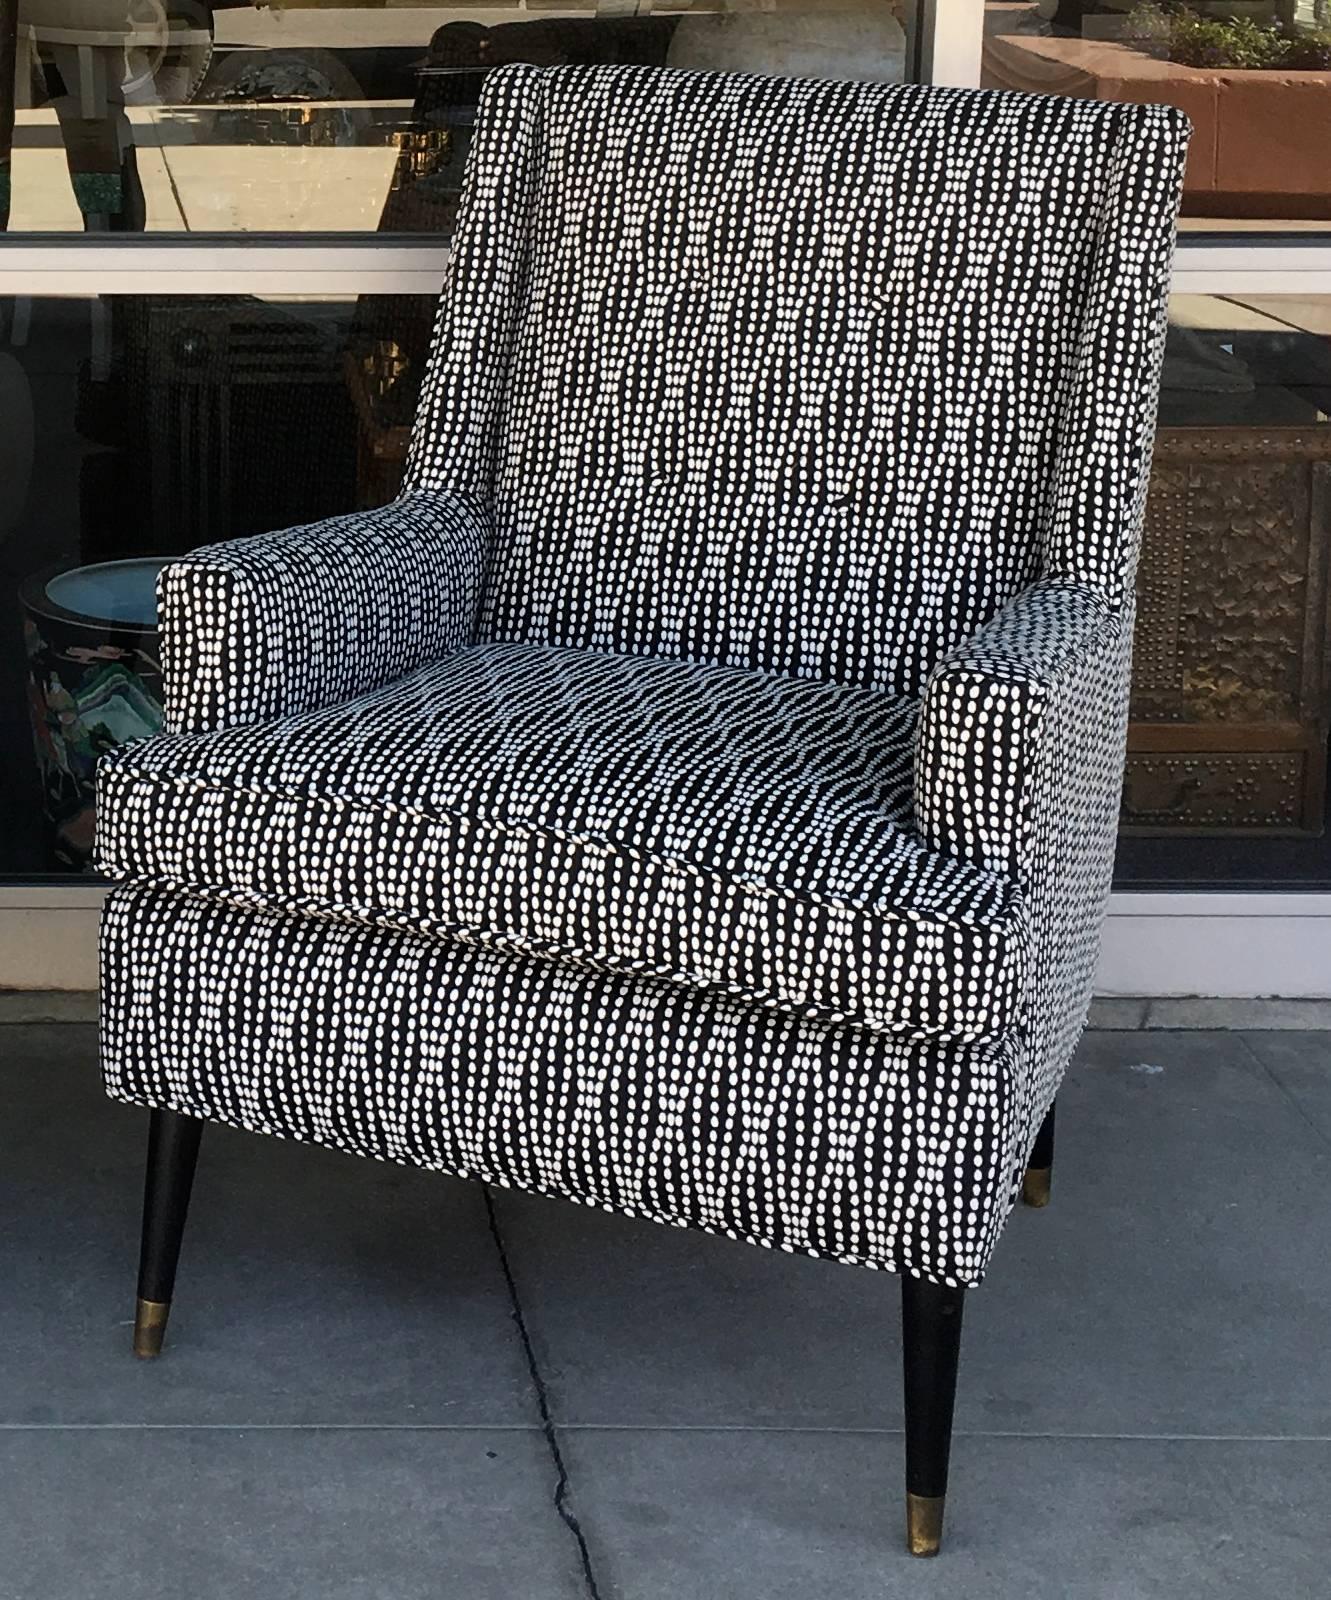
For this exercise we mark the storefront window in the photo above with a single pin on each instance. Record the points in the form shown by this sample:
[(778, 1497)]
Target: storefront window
[(1254, 76), (180, 116), (133, 428), (1227, 767)]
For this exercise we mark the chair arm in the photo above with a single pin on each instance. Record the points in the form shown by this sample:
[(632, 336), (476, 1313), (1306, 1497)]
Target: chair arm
[(286, 622), (1019, 753)]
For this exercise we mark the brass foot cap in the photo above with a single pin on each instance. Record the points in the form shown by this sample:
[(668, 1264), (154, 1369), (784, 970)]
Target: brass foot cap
[(149, 1327), (924, 1523), (1035, 1186)]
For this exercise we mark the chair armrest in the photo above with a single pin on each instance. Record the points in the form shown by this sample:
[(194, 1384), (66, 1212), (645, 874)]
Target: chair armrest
[(1019, 753), (286, 622)]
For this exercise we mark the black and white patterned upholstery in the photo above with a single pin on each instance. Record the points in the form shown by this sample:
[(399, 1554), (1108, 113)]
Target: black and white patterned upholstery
[(731, 830), (695, 795)]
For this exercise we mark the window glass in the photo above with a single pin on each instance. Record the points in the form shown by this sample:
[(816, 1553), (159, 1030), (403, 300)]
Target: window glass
[(1253, 75), (133, 428), (184, 116), (1227, 764)]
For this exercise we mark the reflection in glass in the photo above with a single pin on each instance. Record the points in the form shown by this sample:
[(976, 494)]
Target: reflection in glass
[(133, 428), (1254, 76), (181, 115), (138, 427), (1231, 702)]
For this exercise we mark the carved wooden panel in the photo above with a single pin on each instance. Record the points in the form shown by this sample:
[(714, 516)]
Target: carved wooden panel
[(1231, 641), (1258, 791)]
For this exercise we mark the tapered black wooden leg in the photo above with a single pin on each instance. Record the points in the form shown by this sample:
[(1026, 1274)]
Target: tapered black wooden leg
[(1035, 1186), (931, 1339), (173, 1149)]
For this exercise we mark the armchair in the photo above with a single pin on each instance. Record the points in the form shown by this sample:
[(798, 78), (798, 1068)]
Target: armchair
[(695, 795)]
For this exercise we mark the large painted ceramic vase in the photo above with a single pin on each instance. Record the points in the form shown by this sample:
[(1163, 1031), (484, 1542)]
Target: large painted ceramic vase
[(95, 682)]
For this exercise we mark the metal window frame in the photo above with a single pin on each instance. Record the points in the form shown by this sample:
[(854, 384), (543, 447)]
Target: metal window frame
[(1203, 264)]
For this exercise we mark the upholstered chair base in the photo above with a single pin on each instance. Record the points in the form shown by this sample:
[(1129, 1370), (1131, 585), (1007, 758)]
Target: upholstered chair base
[(931, 1325)]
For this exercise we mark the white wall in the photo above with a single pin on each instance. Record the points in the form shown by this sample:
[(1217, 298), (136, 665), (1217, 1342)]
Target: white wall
[(1240, 946)]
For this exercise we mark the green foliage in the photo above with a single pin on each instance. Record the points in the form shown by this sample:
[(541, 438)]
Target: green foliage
[(1194, 41), (1310, 51)]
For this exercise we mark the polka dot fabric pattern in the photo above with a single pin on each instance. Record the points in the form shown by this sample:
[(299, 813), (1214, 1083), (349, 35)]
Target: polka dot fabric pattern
[(1018, 770), (796, 367), (725, 829), (285, 622), (696, 795), (644, 1098)]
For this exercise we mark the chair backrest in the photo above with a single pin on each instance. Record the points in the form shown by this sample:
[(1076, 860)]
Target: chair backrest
[(803, 376)]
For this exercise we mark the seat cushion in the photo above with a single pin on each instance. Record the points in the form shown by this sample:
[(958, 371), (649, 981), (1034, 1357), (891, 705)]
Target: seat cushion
[(707, 825)]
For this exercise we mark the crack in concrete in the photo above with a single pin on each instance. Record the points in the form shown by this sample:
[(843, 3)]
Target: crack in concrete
[(548, 1428)]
